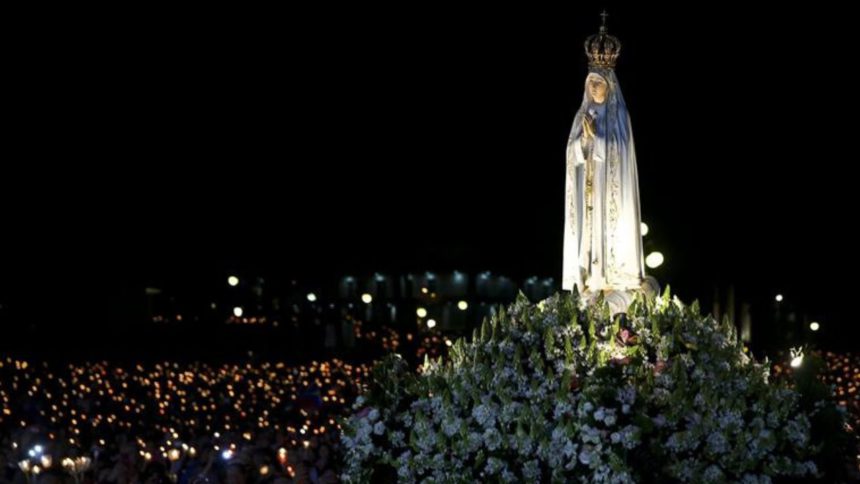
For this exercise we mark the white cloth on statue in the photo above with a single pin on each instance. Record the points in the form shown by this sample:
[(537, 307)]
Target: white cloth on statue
[(609, 255)]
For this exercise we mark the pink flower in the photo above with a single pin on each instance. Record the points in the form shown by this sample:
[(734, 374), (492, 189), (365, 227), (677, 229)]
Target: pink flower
[(574, 382), (625, 337), (363, 412)]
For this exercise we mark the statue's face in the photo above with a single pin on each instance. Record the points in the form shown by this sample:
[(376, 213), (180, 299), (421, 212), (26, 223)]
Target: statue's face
[(597, 87)]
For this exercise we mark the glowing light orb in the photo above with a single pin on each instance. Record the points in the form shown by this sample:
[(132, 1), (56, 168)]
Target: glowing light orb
[(654, 260)]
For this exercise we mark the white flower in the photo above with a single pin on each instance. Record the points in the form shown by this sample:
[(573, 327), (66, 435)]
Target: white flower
[(561, 408), (590, 434), (474, 441), (451, 426), (494, 465), (630, 436), (397, 438), (492, 439), (586, 454), (675, 442), (730, 418), (531, 470), (484, 415), (717, 443), (797, 430), (610, 418), (713, 474), (569, 449)]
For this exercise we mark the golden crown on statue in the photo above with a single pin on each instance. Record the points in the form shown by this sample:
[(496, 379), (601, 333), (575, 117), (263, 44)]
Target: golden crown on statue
[(601, 48)]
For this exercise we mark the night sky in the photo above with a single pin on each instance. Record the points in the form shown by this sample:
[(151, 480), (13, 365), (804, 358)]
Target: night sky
[(168, 150)]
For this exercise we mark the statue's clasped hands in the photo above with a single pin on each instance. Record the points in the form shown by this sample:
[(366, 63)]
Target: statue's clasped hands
[(588, 126)]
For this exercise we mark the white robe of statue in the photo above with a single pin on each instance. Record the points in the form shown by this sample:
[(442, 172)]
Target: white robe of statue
[(602, 225)]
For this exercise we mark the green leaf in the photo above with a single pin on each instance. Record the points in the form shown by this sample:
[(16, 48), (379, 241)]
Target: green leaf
[(486, 331), (568, 351), (694, 308), (564, 386), (480, 459), (548, 340), (521, 298)]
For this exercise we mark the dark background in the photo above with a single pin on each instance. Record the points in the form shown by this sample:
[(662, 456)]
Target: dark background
[(168, 149)]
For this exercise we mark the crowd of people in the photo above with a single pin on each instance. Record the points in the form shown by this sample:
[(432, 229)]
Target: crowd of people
[(172, 422), (841, 371)]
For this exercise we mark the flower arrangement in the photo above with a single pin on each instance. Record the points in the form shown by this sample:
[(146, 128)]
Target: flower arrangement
[(562, 391)]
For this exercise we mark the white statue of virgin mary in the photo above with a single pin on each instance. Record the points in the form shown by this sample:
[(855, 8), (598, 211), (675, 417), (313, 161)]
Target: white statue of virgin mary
[(602, 234)]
